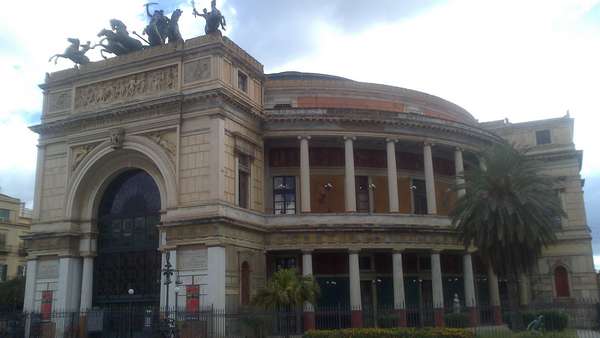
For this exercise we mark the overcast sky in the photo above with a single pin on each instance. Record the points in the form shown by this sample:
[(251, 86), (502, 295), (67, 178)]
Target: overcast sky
[(521, 60)]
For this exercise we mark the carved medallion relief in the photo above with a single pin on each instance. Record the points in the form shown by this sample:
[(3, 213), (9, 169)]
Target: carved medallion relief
[(197, 70), (127, 87)]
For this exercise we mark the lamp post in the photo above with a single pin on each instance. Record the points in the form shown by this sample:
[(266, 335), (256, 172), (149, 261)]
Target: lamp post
[(131, 292), (169, 329)]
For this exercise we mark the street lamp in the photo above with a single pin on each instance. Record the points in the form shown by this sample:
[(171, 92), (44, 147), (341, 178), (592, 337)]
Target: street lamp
[(130, 292)]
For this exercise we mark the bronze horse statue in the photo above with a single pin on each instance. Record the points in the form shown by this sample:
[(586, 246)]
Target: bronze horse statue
[(118, 41), (75, 52)]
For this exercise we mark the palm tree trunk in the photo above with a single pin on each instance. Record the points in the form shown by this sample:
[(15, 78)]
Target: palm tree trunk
[(513, 299)]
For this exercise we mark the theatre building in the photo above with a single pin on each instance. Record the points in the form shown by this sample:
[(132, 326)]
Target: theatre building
[(191, 151)]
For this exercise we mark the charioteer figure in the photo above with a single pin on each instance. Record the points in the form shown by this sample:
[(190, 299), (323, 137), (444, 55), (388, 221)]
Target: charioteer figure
[(214, 18)]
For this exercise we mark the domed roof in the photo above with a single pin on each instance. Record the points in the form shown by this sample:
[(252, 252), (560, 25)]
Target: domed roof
[(313, 90)]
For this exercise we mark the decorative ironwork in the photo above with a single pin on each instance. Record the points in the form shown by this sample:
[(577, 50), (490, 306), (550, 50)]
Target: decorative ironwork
[(128, 241)]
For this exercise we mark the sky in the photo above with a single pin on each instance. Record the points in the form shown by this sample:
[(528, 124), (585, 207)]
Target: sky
[(521, 60)]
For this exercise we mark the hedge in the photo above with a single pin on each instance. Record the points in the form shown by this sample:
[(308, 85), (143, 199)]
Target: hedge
[(391, 333), (457, 320)]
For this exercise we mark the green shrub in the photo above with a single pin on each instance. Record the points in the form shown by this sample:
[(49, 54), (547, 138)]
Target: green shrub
[(457, 320), (392, 333)]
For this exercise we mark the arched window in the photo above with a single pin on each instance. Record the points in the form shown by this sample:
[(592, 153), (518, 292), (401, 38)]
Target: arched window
[(561, 282), (128, 256), (245, 283)]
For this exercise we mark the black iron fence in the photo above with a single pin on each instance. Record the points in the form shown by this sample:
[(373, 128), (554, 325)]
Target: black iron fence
[(251, 322)]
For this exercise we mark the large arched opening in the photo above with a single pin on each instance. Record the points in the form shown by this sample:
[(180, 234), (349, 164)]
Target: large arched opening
[(127, 266)]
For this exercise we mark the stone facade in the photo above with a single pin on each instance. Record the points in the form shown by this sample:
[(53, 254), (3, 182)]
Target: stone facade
[(256, 170), (15, 221)]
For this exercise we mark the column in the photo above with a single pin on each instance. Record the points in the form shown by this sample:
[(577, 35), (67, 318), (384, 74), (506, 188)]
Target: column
[(494, 295), (87, 283), (304, 174), (355, 301), (459, 170), (216, 277), (429, 179), (350, 183), (87, 275), (438, 289), (69, 291), (29, 302), (523, 289), (309, 310), (470, 300), (392, 174), (216, 286), (398, 280)]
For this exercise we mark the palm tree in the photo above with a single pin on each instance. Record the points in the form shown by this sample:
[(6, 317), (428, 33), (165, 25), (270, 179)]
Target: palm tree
[(508, 212), (287, 290)]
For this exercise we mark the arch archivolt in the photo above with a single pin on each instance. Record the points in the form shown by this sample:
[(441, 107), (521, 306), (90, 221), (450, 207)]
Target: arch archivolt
[(103, 163)]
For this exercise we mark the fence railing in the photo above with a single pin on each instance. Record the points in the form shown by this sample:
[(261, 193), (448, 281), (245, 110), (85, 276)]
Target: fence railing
[(252, 322)]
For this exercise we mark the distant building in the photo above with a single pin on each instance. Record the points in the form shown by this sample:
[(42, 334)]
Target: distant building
[(193, 151), (15, 222)]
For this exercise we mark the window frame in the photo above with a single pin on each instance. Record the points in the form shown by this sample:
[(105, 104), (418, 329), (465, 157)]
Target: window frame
[(285, 192), (245, 168), (542, 135), (414, 194), (246, 80), (4, 215)]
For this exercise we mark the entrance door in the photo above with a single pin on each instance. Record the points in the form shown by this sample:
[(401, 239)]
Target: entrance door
[(368, 302), (127, 268)]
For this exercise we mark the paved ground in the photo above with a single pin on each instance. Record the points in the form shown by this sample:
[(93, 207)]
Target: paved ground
[(587, 334)]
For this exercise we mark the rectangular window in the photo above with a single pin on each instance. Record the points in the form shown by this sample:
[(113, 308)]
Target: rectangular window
[(419, 195), (362, 194), (243, 82), (243, 181), (286, 262), (543, 137), (284, 195), (365, 263), (557, 220), (4, 215), (192, 298), (3, 272), (21, 271)]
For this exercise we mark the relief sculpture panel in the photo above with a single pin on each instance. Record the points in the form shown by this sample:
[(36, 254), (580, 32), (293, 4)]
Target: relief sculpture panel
[(197, 70), (59, 101), (127, 87)]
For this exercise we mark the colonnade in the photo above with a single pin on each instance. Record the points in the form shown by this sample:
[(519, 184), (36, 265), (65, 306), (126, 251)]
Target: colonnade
[(392, 174), (399, 290)]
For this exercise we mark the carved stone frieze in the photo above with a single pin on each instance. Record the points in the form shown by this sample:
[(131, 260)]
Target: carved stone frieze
[(127, 87), (69, 243), (167, 140), (191, 232), (79, 153), (58, 101), (197, 70)]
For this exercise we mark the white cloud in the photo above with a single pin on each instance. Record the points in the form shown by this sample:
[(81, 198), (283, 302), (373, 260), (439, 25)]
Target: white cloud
[(524, 60), (597, 263)]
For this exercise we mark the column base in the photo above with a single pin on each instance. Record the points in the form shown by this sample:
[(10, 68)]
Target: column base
[(497, 315), (473, 316), (309, 320), (357, 318), (83, 326), (401, 313), (438, 317)]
